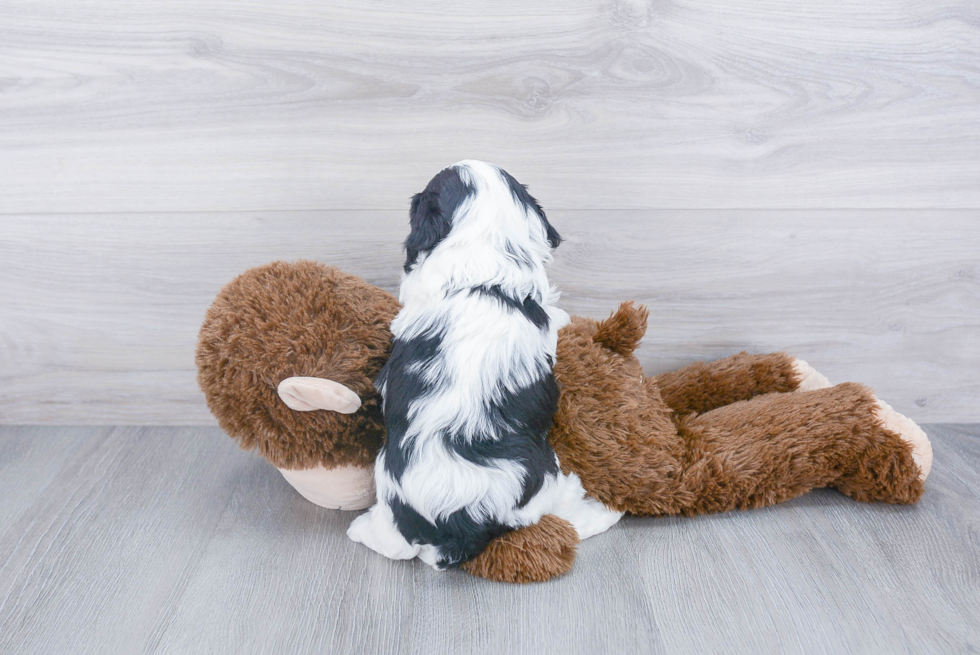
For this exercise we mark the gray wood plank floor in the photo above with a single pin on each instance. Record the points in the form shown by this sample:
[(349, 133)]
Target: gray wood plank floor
[(171, 540)]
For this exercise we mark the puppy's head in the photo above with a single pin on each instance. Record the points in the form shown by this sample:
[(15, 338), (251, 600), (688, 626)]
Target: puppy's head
[(480, 202)]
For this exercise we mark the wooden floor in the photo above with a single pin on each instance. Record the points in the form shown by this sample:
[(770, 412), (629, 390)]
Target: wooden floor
[(171, 540)]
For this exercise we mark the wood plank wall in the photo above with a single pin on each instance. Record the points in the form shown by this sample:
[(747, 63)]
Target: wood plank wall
[(764, 174)]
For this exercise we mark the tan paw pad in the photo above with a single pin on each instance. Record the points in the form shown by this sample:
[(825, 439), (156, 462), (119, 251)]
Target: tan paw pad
[(908, 430), (809, 377)]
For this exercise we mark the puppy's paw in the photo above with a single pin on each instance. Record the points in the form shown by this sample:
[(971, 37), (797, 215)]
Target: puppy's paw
[(559, 317), (909, 431), (809, 377), (376, 530)]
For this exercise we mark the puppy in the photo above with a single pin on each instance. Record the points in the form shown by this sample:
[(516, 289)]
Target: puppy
[(469, 392)]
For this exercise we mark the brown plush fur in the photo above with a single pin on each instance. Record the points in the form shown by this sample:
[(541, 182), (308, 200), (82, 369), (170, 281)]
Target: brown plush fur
[(778, 446), (615, 430), (610, 423), (536, 553), (703, 386), (710, 437), (296, 319), (621, 332)]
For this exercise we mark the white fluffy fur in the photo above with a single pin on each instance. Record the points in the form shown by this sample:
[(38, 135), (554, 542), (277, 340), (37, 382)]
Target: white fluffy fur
[(485, 346)]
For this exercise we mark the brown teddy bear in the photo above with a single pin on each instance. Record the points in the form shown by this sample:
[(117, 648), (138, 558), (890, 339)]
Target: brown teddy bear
[(285, 340)]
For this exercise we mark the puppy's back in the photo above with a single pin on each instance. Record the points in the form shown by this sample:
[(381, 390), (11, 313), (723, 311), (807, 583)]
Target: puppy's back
[(469, 391), (468, 405)]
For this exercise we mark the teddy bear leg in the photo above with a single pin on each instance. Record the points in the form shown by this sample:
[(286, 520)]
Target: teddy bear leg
[(778, 446), (704, 386), (534, 553), (883, 474)]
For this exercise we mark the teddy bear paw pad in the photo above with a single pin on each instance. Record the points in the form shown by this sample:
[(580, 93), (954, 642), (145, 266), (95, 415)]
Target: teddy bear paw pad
[(809, 377), (909, 431)]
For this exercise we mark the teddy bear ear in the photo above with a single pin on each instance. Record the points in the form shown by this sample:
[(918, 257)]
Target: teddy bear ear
[(622, 331), (305, 394)]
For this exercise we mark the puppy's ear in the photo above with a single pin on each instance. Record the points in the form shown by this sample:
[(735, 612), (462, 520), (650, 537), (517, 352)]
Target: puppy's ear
[(431, 215), (520, 193), (428, 224), (554, 239)]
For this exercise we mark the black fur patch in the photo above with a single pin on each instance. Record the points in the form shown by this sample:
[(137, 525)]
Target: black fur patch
[(530, 308), (431, 214), (458, 537), (521, 419), (520, 194), (402, 386), (519, 423)]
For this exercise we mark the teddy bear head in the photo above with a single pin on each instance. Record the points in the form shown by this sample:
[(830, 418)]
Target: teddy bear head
[(286, 322)]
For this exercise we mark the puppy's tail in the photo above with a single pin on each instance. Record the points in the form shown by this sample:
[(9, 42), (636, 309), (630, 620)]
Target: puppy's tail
[(622, 331)]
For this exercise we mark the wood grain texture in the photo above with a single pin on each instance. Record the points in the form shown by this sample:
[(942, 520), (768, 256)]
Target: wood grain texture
[(101, 312), (171, 540), (249, 105), (93, 552)]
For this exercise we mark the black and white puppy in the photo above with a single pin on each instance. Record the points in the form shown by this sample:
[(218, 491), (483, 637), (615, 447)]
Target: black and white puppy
[(469, 390)]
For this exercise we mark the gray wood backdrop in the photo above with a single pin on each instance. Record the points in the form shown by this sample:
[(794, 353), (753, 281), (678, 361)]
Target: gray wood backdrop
[(764, 174)]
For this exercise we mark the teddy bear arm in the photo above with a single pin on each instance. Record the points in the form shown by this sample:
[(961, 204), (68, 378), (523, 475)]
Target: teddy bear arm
[(704, 386)]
